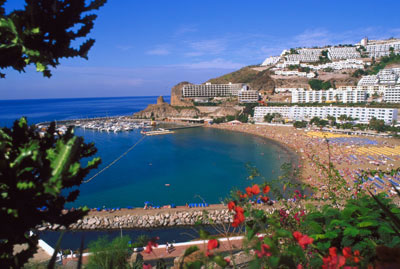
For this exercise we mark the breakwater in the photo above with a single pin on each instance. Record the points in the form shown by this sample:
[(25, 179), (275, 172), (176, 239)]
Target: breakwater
[(157, 220)]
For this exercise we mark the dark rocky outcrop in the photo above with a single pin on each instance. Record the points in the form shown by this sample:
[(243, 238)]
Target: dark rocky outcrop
[(176, 95)]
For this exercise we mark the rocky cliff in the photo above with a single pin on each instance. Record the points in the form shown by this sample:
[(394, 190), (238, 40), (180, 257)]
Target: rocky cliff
[(176, 95), (163, 110), (258, 80)]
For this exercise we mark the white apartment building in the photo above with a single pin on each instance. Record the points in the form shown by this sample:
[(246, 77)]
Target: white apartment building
[(212, 90), (287, 63), (381, 49), (363, 114), (294, 73), (248, 96), (280, 90), (340, 53), (388, 76), (305, 55), (338, 65), (331, 95), (271, 60), (368, 80), (391, 94)]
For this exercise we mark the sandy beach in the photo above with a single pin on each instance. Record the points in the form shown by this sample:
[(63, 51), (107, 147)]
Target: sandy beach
[(350, 155)]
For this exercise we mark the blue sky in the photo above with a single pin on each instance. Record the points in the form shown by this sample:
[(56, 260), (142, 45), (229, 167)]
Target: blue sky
[(146, 47)]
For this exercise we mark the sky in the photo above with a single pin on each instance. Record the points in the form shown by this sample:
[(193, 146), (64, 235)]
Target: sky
[(143, 48)]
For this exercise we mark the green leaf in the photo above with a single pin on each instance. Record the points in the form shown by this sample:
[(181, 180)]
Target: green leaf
[(273, 261), (284, 233), (220, 261), (352, 231), (204, 234), (190, 250), (367, 224), (40, 67), (250, 233)]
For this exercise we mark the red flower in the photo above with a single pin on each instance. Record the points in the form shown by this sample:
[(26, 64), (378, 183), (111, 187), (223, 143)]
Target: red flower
[(264, 251), (243, 196), (212, 243), (347, 252), (227, 260), (264, 199), (303, 240), (333, 261), (248, 190), (147, 266), (332, 251), (231, 205), (254, 190), (299, 266), (239, 217), (297, 235), (266, 189), (356, 256), (152, 243)]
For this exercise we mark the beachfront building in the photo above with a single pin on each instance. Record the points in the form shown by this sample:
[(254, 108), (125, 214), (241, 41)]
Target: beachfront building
[(341, 53), (248, 96), (212, 90), (271, 60), (331, 95), (362, 114)]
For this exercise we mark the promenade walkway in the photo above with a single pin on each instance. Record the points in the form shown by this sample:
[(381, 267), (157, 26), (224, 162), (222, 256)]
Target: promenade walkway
[(234, 244)]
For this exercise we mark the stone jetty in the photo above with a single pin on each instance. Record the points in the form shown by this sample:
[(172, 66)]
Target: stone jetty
[(156, 220)]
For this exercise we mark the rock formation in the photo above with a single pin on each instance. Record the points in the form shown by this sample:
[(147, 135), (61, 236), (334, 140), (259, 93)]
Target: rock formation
[(163, 110), (176, 95)]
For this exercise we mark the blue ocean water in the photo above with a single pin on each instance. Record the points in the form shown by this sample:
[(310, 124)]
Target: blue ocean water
[(39, 110), (199, 163)]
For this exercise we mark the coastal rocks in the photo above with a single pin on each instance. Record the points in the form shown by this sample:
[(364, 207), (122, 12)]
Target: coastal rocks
[(157, 220), (176, 96), (163, 110)]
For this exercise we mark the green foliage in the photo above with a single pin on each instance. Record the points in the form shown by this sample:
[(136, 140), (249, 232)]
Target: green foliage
[(38, 172), (377, 125), (109, 254), (300, 124), (42, 33), (384, 61), (141, 241), (317, 84), (361, 225)]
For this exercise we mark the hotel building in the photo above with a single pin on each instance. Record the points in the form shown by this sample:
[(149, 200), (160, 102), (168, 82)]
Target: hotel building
[(362, 114), (331, 95), (248, 96), (212, 90)]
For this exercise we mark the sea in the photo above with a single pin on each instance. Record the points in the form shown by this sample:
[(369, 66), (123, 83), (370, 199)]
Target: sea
[(198, 165)]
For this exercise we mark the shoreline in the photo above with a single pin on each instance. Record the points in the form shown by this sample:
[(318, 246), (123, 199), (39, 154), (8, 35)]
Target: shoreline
[(349, 154), (295, 157)]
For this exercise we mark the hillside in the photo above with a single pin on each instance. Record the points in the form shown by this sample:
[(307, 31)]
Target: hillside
[(258, 80)]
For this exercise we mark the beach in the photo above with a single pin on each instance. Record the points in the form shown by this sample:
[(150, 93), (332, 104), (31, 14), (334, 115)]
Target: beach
[(350, 155)]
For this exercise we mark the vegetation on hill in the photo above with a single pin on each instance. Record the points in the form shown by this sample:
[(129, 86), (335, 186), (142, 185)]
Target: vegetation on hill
[(258, 80), (384, 61), (317, 84)]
